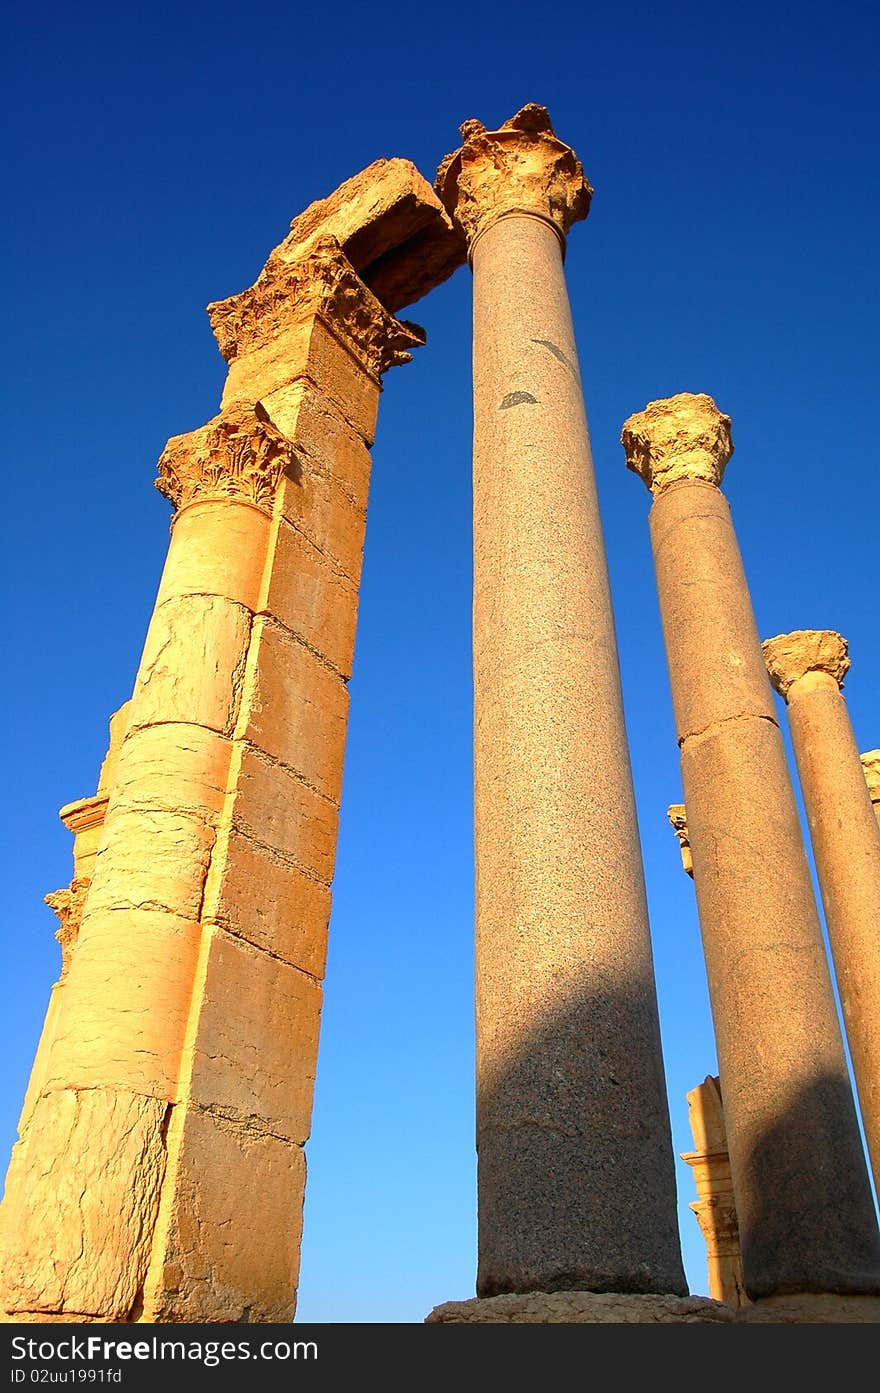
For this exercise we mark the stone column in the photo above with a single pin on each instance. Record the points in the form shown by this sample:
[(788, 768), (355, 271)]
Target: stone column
[(871, 766), (677, 814), (807, 668), (85, 819), (806, 1217), (575, 1170), (715, 1206), (160, 1176)]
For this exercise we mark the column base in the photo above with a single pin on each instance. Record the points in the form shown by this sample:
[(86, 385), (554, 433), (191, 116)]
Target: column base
[(580, 1307), (811, 1308)]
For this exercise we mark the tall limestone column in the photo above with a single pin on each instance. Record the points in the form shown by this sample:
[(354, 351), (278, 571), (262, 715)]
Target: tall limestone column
[(575, 1168), (806, 1217), (807, 668), (160, 1174), (871, 766)]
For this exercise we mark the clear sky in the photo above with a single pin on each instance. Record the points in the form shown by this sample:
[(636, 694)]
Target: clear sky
[(156, 154)]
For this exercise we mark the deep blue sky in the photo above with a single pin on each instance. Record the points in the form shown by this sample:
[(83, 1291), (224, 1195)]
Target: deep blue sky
[(156, 154)]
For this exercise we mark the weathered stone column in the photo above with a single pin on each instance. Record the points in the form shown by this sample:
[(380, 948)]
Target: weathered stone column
[(677, 814), (806, 1217), (807, 668), (715, 1206), (160, 1175), (85, 819), (871, 767), (576, 1180)]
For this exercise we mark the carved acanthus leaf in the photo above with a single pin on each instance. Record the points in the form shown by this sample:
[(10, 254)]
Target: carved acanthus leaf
[(522, 167), (238, 455), (318, 281)]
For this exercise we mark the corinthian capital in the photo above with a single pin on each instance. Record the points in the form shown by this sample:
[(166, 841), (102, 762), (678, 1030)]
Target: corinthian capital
[(238, 455), (680, 437), (521, 168), (790, 657), (314, 280)]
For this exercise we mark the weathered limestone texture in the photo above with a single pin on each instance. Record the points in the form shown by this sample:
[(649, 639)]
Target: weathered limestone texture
[(677, 814), (581, 1308), (871, 767), (807, 668), (84, 819), (160, 1174), (803, 1198), (571, 1110), (715, 1206)]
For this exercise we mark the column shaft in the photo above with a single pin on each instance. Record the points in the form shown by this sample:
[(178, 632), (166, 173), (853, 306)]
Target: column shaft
[(802, 1194), (576, 1186), (846, 845)]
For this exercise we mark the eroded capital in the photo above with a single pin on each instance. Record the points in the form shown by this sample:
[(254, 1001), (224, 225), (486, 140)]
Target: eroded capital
[(522, 167), (871, 766), (790, 657), (680, 437)]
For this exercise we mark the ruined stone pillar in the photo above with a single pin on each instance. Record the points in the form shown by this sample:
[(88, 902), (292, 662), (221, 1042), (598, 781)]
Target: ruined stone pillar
[(806, 1217), (807, 668), (715, 1206), (85, 819), (572, 1119), (677, 814), (871, 767), (160, 1174)]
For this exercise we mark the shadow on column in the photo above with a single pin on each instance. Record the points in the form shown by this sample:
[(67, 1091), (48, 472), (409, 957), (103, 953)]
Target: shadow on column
[(575, 1165), (809, 1230), (576, 1178)]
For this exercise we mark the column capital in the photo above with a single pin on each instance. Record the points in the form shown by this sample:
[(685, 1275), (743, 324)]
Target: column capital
[(871, 766), (315, 280), (789, 657), (680, 437), (677, 814), (67, 905), (521, 168), (238, 455)]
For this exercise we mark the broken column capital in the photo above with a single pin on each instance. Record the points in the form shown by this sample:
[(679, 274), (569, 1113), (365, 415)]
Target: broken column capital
[(67, 905), (871, 766), (789, 657), (521, 168), (677, 814), (680, 437), (238, 455), (315, 280)]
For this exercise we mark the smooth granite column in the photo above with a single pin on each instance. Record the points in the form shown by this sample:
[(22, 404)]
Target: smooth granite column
[(871, 767), (576, 1181), (806, 1217), (807, 668)]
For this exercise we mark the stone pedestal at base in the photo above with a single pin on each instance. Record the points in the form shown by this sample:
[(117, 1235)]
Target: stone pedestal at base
[(580, 1308), (808, 1308)]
